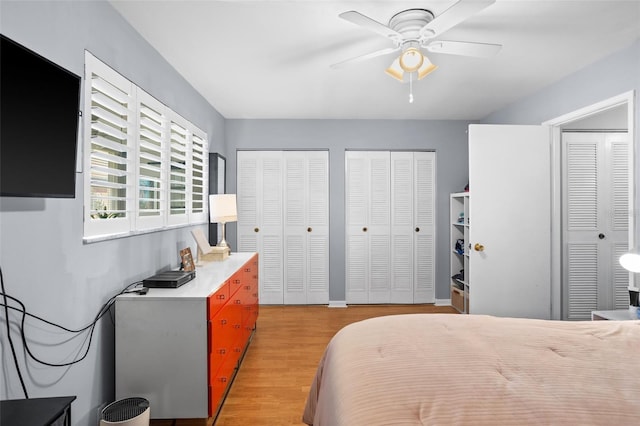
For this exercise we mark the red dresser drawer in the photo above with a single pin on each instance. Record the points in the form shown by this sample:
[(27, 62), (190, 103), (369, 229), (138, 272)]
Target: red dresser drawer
[(217, 300)]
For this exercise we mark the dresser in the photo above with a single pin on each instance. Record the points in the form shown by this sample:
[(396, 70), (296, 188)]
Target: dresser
[(180, 348)]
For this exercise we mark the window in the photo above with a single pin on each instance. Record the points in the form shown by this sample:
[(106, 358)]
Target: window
[(146, 167)]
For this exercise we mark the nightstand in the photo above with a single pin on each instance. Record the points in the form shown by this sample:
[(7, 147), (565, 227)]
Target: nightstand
[(615, 315)]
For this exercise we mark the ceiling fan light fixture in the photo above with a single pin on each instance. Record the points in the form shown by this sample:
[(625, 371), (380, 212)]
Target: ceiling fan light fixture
[(426, 68), (411, 60), (395, 70), (399, 66)]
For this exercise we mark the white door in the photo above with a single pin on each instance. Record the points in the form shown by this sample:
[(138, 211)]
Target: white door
[(367, 220), (402, 211), (306, 227), (412, 227), (260, 227), (510, 221), (595, 222), (424, 224)]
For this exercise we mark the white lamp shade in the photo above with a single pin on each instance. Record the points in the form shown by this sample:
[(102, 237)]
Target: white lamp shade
[(422, 65), (631, 261), (222, 208)]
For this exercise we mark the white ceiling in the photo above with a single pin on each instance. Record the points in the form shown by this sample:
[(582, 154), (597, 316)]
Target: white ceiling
[(271, 59)]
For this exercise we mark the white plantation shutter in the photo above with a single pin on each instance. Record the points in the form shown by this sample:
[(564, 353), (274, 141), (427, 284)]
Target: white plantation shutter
[(109, 168), (152, 178), (177, 171), (145, 166), (199, 178)]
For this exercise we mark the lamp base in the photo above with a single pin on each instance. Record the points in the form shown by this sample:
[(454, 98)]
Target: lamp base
[(224, 245), (216, 254)]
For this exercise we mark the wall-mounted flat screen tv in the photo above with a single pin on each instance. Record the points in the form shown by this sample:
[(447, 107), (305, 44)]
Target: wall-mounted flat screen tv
[(39, 118)]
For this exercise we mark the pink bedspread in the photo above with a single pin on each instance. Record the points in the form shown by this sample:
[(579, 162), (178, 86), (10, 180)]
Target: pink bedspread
[(440, 369)]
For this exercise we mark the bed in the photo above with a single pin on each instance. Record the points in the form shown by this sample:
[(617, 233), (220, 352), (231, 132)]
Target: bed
[(443, 369)]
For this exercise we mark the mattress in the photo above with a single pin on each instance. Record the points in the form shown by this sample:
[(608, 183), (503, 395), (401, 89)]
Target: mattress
[(443, 369)]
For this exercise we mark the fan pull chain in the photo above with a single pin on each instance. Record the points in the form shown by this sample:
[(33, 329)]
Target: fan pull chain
[(410, 87)]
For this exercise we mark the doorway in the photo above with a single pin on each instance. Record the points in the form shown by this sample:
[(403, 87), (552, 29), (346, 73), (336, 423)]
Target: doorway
[(592, 119)]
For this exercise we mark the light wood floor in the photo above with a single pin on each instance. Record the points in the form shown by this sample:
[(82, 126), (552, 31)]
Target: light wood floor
[(271, 386)]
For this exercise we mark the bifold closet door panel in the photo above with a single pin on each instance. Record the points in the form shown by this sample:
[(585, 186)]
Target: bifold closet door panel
[(368, 220), (260, 227), (306, 227)]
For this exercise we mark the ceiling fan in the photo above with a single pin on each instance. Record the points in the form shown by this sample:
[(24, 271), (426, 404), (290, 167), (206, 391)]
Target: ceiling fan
[(415, 30)]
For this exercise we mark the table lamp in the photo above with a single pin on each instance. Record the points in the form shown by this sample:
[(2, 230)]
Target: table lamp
[(222, 209)]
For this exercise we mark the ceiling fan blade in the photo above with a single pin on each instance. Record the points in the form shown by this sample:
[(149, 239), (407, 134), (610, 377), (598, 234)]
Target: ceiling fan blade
[(365, 57), (370, 24), (464, 48), (457, 13)]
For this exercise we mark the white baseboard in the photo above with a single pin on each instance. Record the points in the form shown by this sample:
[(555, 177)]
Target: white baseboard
[(343, 303)]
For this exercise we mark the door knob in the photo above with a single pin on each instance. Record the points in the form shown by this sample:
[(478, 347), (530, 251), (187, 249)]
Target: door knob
[(478, 247), (256, 229), (417, 229), (601, 236), (364, 229), (309, 229)]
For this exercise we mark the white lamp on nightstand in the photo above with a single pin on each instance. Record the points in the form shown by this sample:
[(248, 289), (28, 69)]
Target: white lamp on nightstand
[(631, 261), (222, 209)]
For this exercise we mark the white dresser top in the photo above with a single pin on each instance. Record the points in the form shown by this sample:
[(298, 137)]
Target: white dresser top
[(209, 278)]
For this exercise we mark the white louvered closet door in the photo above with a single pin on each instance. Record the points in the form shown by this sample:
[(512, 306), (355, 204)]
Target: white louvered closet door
[(390, 227), (306, 227), (424, 274), (260, 227), (368, 222), (402, 226), (412, 227), (595, 222)]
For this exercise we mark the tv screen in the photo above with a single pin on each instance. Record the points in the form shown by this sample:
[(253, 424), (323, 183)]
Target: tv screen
[(39, 115)]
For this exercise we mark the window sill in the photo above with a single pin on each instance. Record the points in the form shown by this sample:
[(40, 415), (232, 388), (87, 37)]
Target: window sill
[(99, 238)]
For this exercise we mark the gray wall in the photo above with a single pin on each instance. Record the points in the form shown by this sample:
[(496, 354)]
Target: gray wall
[(616, 74), (44, 262), (447, 138)]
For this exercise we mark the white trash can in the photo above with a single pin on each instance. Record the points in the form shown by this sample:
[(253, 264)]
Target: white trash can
[(126, 412)]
